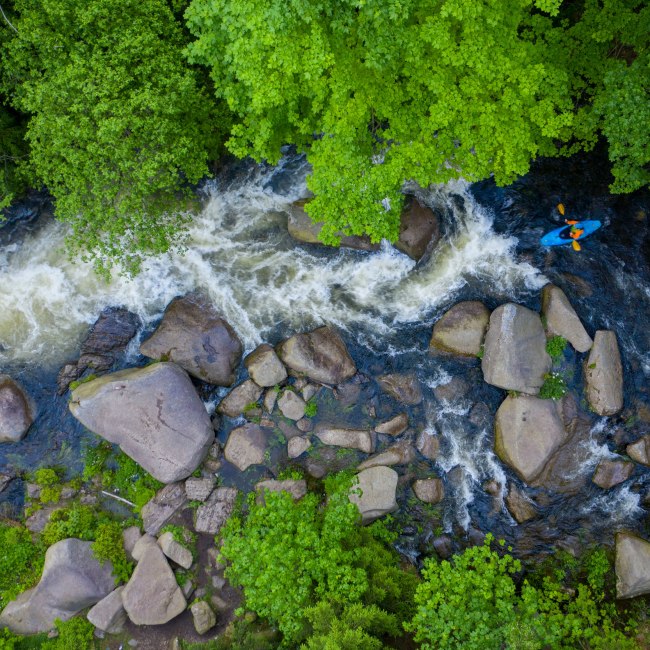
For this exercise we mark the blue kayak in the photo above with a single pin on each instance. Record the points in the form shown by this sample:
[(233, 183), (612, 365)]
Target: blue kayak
[(560, 236)]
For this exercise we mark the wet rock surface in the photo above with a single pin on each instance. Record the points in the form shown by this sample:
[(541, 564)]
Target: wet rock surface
[(196, 337), (419, 231), (430, 490), (461, 329), (405, 388), (265, 367), (16, 410), (153, 413), (612, 472)]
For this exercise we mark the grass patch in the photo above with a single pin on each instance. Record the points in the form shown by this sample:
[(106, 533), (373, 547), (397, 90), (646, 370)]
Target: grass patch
[(554, 386)]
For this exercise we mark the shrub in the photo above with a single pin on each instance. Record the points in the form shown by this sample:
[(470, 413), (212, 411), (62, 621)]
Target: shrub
[(554, 386), (311, 409), (555, 346), (75, 634), (50, 483), (108, 545), (21, 561)]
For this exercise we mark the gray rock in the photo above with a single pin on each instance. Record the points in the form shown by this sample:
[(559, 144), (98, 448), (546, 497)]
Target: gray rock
[(302, 228), (246, 446), (419, 231), (236, 401), (562, 320), (428, 445), (203, 616), (351, 438), (16, 410), (632, 565), (152, 595), (404, 388), (108, 614), (297, 446), (175, 551), (321, 355), (154, 414), (377, 498), (37, 521), (196, 337), (461, 329), (612, 472), (198, 489), (515, 356), (528, 431), (296, 488), (429, 490), (309, 391), (214, 513), (159, 510), (72, 580), (604, 374), (394, 426), (130, 536), (5, 479), (141, 546), (270, 398), (401, 453), (640, 450), (292, 406), (305, 425), (520, 507), (264, 366)]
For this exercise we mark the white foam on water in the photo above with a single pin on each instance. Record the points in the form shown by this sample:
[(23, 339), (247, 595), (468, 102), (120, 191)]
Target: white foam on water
[(616, 506)]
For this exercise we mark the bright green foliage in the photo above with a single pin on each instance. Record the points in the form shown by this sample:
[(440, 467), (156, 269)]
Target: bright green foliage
[(311, 409), (554, 386), (472, 604), (118, 124), (109, 546), (380, 92), (78, 521), (290, 556), (50, 483), (13, 156), (75, 634), (467, 603), (21, 562), (555, 346)]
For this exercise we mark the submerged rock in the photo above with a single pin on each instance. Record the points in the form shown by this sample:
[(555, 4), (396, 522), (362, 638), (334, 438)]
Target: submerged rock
[(519, 506), (153, 413), (461, 329), (632, 566), (377, 498), (152, 595), (604, 374), (428, 445), (196, 337), (562, 320), (528, 430), (515, 356), (72, 580), (264, 366), (405, 388), (321, 355), (16, 410), (419, 230)]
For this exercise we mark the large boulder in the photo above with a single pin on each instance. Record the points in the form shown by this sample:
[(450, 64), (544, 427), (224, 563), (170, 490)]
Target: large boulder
[(72, 580), (108, 614), (461, 329), (405, 388), (604, 374), (528, 431), (419, 230), (196, 337), (361, 439), (612, 472), (154, 414), (302, 228), (562, 320), (264, 366), (321, 355), (16, 410), (377, 498), (515, 356), (152, 595), (632, 566), (429, 490), (246, 446)]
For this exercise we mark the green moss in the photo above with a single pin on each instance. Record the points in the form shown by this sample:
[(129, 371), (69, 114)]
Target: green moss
[(481, 351), (50, 481), (78, 382), (311, 408), (109, 546)]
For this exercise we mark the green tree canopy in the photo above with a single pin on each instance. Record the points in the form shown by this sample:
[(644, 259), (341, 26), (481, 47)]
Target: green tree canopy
[(118, 123), (381, 92)]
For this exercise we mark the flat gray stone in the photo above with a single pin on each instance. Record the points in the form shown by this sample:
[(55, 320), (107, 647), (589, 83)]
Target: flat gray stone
[(394, 426), (292, 406), (130, 536), (377, 498), (203, 617), (175, 551), (153, 413), (562, 320), (515, 356), (604, 374), (361, 439), (401, 453), (141, 545), (214, 513), (640, 450), (246, 446), (198, 489), (461, 329), (612, 472), (108, 614), (152, 595), (164, 505), (236, 401), (297, 446), (264, 366), (632, 565), (429, 490)]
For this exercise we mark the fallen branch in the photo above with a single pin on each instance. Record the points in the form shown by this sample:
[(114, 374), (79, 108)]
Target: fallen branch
[(114, 496), (4, 15)]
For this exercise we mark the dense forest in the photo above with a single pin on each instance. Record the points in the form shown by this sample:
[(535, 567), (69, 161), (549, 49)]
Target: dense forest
[(118, 106)]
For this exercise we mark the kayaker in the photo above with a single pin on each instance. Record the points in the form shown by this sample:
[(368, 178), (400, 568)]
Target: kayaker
[(575, 232)]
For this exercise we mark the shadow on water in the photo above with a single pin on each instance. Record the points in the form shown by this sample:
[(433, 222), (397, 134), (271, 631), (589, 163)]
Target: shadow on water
[(384, 305)]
